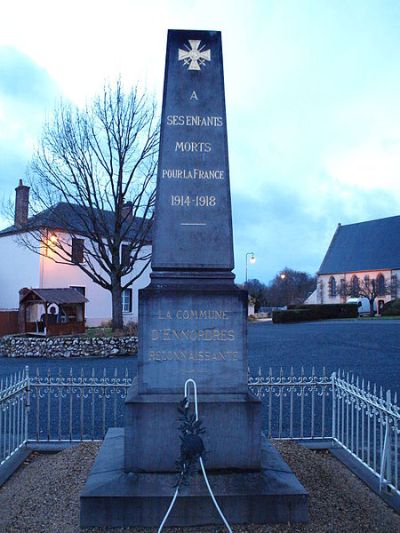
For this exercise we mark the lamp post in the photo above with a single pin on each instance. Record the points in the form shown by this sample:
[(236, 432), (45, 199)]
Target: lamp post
[(283, 277), (252, 260)]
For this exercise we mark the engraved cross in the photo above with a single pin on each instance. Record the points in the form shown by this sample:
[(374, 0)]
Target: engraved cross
[(195, 56)]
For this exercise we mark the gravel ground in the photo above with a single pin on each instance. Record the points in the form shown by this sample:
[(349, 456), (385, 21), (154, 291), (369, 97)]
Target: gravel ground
[(43, 496)]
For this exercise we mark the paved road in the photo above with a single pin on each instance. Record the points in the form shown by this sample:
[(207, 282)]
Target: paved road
[(9, 366), (370, 349)]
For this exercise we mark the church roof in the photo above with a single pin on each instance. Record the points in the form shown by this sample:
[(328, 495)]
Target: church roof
[(78, 220), (371, 245)]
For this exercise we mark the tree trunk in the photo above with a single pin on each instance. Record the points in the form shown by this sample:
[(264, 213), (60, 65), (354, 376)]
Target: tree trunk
[(116, 294), (371, 307)]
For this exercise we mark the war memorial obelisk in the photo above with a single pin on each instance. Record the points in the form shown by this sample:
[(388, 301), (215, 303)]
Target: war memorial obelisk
[(192, 324)]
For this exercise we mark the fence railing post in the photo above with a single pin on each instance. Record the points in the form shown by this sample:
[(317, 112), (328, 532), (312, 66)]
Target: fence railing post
[(27, 403), (333, 383), (386, 451)]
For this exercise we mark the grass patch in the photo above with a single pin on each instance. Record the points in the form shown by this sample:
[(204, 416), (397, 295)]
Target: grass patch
[(130, 329), (99, 332)]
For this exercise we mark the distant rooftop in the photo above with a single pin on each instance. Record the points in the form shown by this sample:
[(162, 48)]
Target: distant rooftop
[(57, 296), (371, 245), (74, 219)]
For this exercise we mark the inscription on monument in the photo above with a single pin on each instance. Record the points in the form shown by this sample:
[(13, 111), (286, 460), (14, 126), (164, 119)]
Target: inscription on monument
[(194, 173), (196, 327), (194, 335), (190, 120)]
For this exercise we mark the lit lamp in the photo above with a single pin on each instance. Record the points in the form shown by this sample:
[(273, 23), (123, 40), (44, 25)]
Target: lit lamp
[(283, 277), (52, 241), (252, 260)]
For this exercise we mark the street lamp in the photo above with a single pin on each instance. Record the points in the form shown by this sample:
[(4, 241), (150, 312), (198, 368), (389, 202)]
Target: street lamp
[(284, 279), (252, 260)]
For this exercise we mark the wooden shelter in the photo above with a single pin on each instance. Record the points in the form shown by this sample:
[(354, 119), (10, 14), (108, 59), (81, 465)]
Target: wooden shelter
[(52, 311)]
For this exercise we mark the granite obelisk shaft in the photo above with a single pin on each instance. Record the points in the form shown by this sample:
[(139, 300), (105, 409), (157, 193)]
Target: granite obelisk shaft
[(193, 224)]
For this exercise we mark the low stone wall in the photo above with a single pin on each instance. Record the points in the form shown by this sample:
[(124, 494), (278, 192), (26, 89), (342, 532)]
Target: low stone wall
[(57, 347)]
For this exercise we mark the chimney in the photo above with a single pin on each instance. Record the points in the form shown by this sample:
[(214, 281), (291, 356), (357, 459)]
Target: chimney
[(126, 212), (21, 204)]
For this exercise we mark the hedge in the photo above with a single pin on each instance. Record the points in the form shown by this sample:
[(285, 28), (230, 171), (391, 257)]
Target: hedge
[(304, 312), (391, 308)]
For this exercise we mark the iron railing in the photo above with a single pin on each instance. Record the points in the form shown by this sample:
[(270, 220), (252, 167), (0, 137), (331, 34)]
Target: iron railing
[(366, 422), (295, 407), (75, 408), (14, 397), (55, 408)]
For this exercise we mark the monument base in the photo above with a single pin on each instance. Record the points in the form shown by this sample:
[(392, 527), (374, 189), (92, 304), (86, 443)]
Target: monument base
[(114, 498), (232, 438)]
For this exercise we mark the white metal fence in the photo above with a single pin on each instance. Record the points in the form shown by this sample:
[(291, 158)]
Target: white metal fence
[(366, 422), (57, 408), (13, 415), (295, 407), (71, 408)]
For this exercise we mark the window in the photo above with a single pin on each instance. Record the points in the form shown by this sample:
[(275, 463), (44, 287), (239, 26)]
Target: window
[(320, 291), (77, 250), (125, 255), (127, 301), (332, 287), (380, 285), (342, 288), (355, 288), (393, 286)]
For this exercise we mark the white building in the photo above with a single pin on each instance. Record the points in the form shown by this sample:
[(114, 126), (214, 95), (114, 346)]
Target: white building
[(362, 251), (21, 267)]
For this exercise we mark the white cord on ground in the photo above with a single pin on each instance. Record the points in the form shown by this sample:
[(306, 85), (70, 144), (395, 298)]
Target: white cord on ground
[(169, 510), (196, 411), (228, 527)]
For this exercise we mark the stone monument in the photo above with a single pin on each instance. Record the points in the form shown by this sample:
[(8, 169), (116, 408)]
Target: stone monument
[(192, 324)]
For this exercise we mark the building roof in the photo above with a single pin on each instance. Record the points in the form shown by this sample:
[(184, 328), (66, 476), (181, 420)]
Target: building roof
[(57, 296), (371, 245), (77, 219)]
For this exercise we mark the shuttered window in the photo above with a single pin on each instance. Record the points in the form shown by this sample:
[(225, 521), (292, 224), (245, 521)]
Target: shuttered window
[(125, 255), (77, 250)]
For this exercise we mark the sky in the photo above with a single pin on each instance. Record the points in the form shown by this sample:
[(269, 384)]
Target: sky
[(312, 93)]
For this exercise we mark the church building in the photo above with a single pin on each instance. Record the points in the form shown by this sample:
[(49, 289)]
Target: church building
[(359, 254)]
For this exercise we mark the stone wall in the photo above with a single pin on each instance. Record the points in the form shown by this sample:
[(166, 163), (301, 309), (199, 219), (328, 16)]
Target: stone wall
[(56, 347)]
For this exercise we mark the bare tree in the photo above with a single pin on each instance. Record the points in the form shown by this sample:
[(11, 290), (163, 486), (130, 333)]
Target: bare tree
[(257, 293), (366, 288), (93, 177), (290, 287)]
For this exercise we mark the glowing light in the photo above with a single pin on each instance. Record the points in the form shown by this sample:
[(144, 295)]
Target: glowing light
[(50, 243), (252, 260)]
